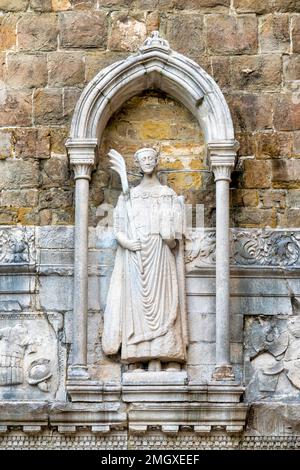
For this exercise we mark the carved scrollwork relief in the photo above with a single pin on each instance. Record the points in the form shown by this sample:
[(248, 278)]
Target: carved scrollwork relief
[(248, 248)]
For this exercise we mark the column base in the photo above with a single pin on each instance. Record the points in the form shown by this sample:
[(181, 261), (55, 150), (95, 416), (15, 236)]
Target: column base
[(78, 372), (224, 372)]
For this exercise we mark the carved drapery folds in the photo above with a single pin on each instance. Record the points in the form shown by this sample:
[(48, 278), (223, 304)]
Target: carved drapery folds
[(155, 65)]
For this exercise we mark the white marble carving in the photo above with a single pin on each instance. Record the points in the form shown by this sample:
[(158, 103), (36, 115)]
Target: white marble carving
[(17, 245), (145, 312), (154, 66), (28, 358), (273, 349), (251, 247)]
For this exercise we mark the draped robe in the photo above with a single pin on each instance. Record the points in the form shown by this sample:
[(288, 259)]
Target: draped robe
[(145, 311)]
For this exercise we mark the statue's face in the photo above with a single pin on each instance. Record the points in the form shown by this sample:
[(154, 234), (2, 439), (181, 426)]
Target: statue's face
[(147, 162)]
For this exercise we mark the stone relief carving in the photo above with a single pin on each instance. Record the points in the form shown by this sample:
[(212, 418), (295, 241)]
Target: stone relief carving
[(248, 248), (145, 310), (273, 356), (27, 358), (17, 245)]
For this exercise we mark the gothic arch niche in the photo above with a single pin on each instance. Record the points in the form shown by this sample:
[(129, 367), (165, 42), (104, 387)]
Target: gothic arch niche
[(153, 118), (154, 67)]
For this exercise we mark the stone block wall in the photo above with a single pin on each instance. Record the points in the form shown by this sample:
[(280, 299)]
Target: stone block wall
[(50, 49)]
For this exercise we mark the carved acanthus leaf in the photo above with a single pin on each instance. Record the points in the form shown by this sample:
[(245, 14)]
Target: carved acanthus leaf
[(17, 245)]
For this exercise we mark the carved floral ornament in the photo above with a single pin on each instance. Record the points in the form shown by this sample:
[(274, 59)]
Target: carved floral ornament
[(252, 247), (17, 245)]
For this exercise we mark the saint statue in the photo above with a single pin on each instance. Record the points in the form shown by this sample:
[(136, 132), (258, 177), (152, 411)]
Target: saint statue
[(145, 312)]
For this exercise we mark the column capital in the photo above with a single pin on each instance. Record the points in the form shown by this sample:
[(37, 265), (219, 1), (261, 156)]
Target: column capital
[(82, 151), (82, 156), (82, 170), (222, 156)]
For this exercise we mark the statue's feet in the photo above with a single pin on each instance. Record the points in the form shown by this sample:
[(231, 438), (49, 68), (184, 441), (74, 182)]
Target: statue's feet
[(136, 367), (154, 366), (173, 366)]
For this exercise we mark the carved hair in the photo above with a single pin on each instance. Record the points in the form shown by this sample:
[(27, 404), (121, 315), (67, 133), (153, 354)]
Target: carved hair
[(143, 150)]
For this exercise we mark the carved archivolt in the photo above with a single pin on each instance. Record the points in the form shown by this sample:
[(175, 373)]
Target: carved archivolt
[(155, 65)]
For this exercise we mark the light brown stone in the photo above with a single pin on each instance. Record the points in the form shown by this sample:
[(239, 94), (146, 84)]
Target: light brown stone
[(63, 216), (41, 5), (291, 71), (297, 144), (15, 108), (8, 217), (252, 6), (71, 96), (18, 174), (251, 112), (262, 72), (76, 31), (221, 71), (8, 36), (96, 61), (287, 112), (19, 198), (185, 33), (126, 33), (2, 69), (37, 32), (231, 34), (247, 143), (54, 198), (13, 5), (244, 197), (5, 144), (273, 198), (31, 143), (28, 216), (58, 137), (48, 106), (274, 33), (274, 145), (152, 21), (61, 5), (293, 198), (286, 6), (290, 219), (65, 68), (296, 33), (26, 70), (285, 171), (55, 172), (250, 217), (196, 4), (257, 174)]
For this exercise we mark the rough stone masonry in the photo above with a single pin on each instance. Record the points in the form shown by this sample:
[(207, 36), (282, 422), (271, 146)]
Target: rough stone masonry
[(49, 51)]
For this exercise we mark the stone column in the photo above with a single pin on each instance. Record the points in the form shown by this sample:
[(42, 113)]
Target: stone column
[(82, 158), (222, 160)]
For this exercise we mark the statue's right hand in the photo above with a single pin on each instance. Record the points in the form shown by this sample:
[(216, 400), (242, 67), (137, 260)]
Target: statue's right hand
[(133, 245)]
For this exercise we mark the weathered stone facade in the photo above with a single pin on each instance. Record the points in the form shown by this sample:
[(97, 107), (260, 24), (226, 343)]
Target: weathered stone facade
[(49, 51)]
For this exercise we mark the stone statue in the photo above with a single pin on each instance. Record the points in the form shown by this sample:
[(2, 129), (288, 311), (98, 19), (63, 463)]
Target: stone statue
[(145, 311)]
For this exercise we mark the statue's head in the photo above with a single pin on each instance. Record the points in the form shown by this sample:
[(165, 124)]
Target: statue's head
[(146, 158)]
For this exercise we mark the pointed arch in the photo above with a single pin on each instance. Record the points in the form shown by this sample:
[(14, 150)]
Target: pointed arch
[(154, 66)]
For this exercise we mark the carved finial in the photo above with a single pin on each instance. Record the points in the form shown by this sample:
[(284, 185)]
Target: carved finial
[(156, 40)]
